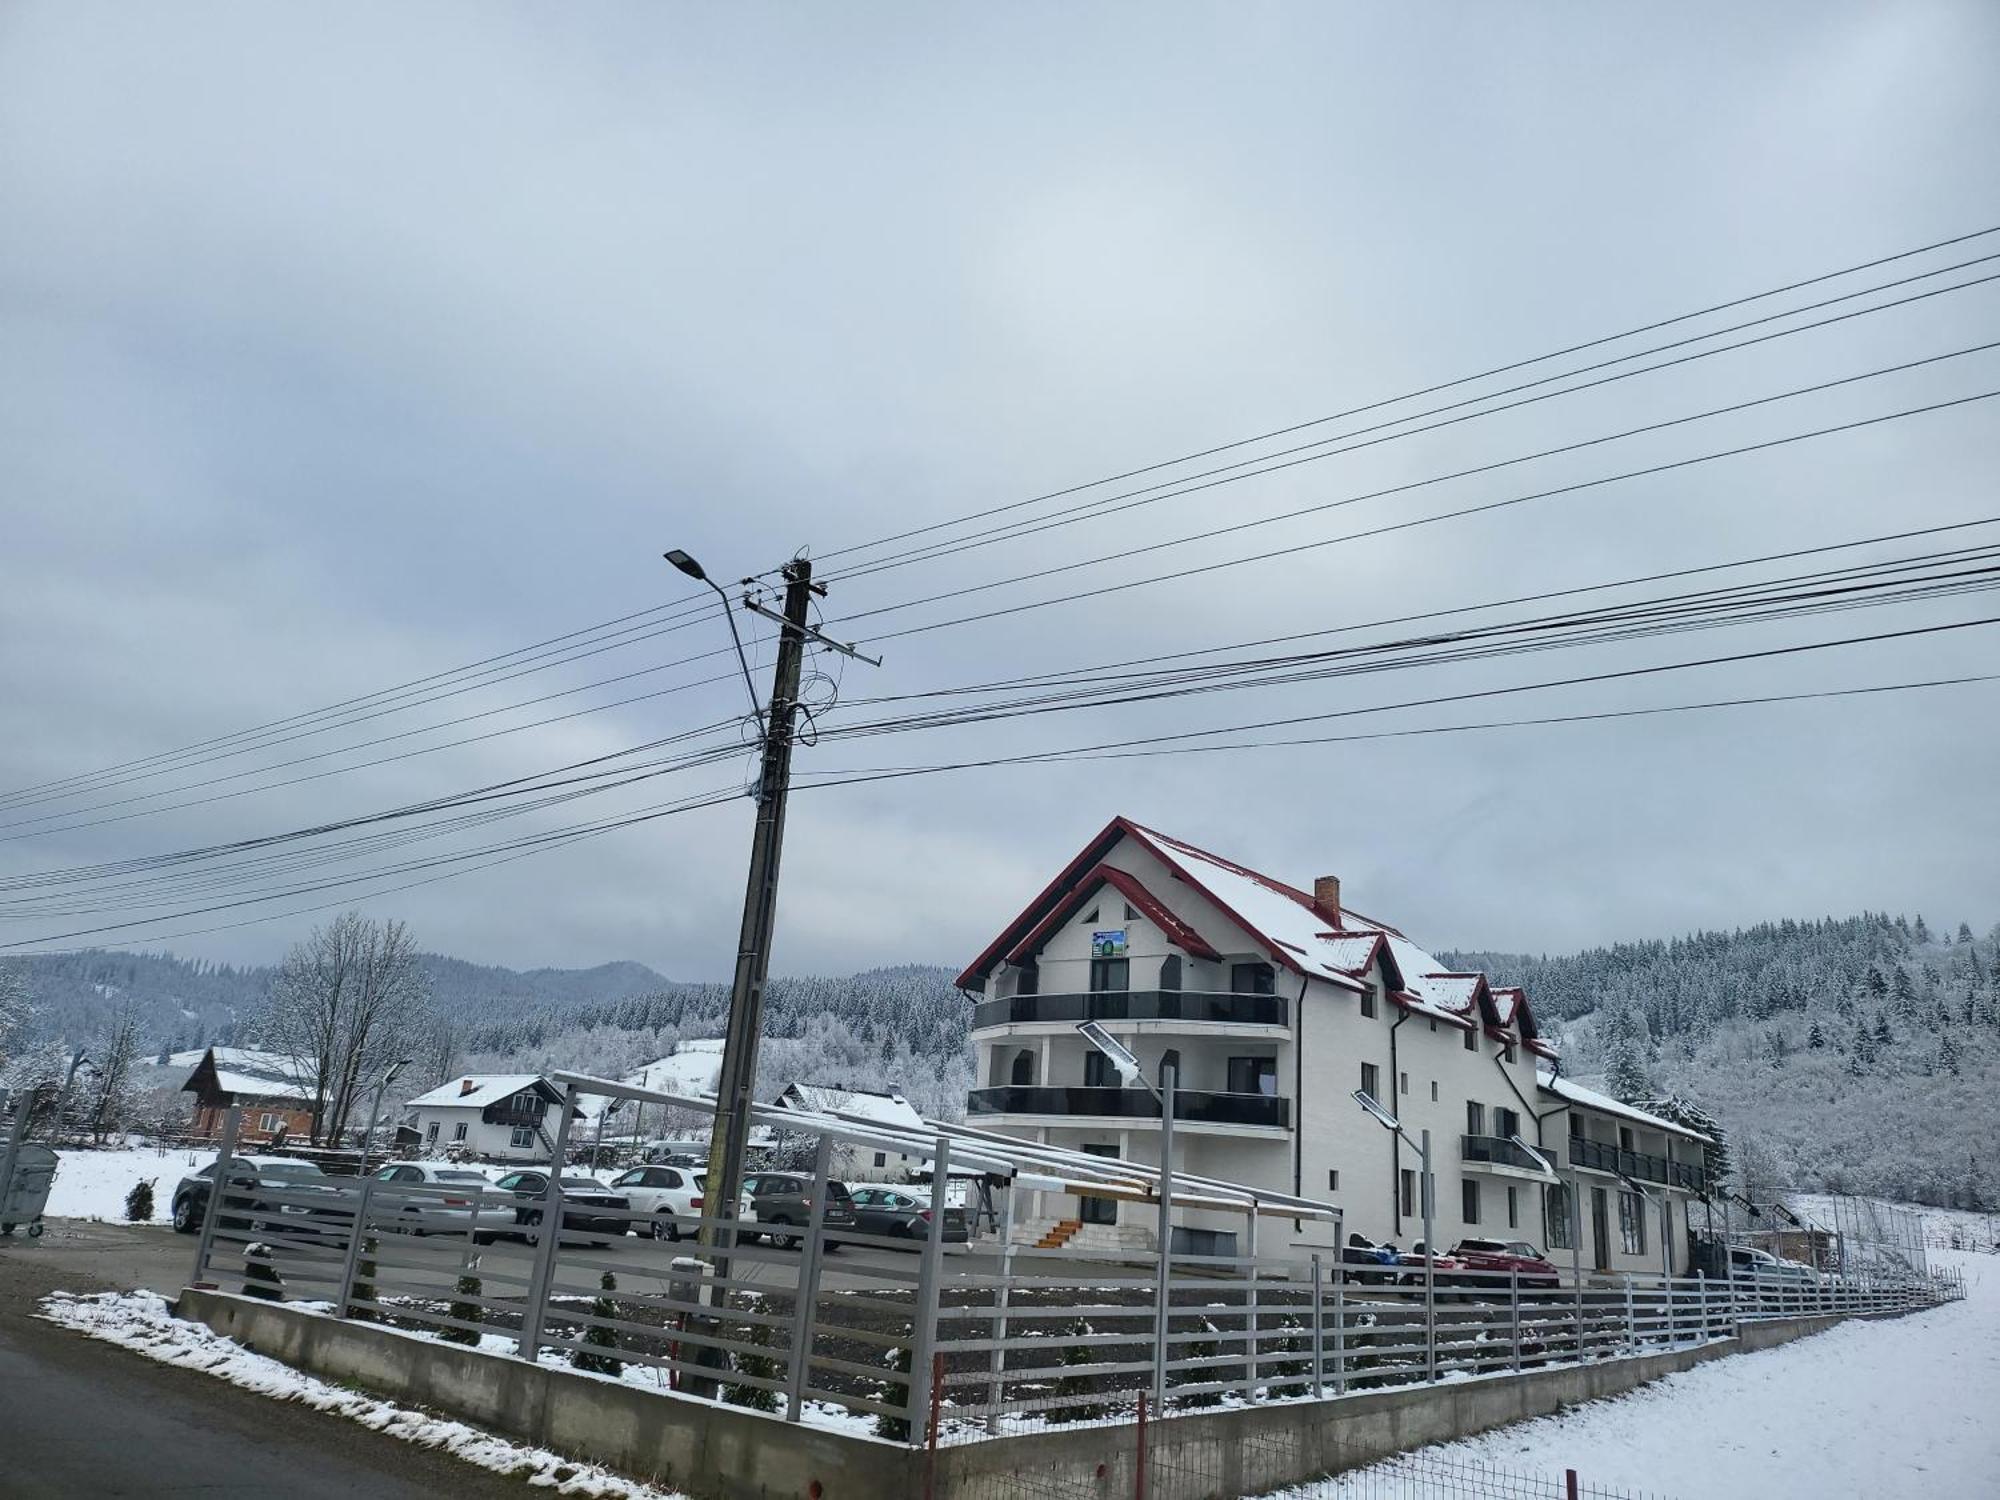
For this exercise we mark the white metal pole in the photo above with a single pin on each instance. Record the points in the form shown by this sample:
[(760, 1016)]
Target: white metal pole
[(1166, 1238), (1430, 1263)]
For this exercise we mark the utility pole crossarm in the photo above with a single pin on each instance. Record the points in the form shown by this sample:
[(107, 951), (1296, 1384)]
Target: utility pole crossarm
[(813, 633)]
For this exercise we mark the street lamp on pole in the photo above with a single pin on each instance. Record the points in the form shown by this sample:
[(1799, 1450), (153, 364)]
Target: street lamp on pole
[(375, 1112), (1422, 1143), (686, 564)]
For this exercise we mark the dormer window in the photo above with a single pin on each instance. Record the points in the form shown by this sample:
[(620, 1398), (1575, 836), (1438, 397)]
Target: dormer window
[(1089, 917)]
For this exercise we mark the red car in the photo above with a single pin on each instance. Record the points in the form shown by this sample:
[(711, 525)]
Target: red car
[(1495, 1258), (1412, 1263)]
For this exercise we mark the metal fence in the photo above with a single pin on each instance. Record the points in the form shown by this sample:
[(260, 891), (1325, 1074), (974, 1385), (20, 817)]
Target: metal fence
[(925, 1343)]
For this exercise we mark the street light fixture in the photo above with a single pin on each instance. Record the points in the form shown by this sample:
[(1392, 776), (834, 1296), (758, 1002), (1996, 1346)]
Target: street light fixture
[(375, 1112), (1423, 1147), (1130, 1070), (686, 563)]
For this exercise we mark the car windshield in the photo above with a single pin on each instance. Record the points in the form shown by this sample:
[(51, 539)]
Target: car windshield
[(290, 1171), (1523, 1249), (1484, 1245)]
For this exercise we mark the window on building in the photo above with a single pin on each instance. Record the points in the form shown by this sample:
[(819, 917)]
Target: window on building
[(1513, 1208), (1253, 979), (1130, 915), (1575, 1126), (1434, 1025), (458, 1132), (1254, 1075), (1089, 917), (1371, 1081), (1107, 974), (267, 1122), (882, 1160), (1469, 1193), (1507, 1052), (1170, 972), (1475, 1118), (1368, 1003), (1171, 1058), (1029, 980), (431, 1134), (1471, 1039), (1434, 1091), (1023, 1073), (1097, 1072), (1632, 1223), (1404, 1083), (1624, 1137), (1506, 1123), (1556, 1215), (1333, 1179), (1408, 1182), (522, 1138)]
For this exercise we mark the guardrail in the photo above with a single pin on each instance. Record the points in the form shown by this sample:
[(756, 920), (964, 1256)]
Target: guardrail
[(926, 1340)]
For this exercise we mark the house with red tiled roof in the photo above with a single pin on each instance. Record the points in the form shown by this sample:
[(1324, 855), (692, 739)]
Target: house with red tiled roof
[(1274, 1004)]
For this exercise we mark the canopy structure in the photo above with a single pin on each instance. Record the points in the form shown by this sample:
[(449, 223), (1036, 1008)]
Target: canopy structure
[(1017, 1162)]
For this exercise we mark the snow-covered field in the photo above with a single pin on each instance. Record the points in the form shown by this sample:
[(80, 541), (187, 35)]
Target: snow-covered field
[(1905, 1406), (93, 1184), (141, 1322)]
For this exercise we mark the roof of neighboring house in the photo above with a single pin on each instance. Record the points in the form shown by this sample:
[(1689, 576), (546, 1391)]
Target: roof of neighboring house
[(866, 1104), (1284, 920), (246, 1086), (477, 1090), (1576, 1093), (239, 1072)]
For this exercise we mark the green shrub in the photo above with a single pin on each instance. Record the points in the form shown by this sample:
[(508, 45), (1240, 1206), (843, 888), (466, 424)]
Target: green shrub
[(758, 1367), (1076, 1353), (597, 1336), (364, 1282), (139, 1202), (260, 1275), (1201, 1349), (896, 1393), (469, 1285)]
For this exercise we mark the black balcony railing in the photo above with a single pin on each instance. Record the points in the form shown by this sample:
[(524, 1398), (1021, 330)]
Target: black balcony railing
[(1136, 1005), (1641, 1166), (1191, 1106), (1500, 1151)]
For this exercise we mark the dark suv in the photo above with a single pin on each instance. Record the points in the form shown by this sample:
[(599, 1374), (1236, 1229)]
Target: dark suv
[(250, 1177), (785, 1199)]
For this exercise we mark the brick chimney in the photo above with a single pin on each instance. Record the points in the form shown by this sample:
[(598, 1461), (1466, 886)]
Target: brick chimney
[(466, 1085), (1326, 897)]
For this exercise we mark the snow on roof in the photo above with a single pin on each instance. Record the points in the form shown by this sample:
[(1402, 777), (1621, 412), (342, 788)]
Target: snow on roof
[(694, 1067), (245, 1061), (475, 1091), (883, 1109), (249, 1085), (1576, 1093)]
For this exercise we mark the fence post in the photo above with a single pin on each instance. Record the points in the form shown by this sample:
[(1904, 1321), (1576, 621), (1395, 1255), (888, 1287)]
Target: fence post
[(1701, 1291), (1579, 1307), (1339, 1333), (805, 1306), (1161, 1324), (924, 1332), (226, 1149), (997, 1361), (1139, 1469), (1569, 1483), (547, 1234), (356, 1233), (1631, 1321), (936, 1389), (1250, 1309), (1318, 1332), (1514, 1314)]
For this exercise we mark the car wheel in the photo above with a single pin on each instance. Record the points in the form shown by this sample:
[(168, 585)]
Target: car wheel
[(664, 1228), (783, 1239), (184, 1216), (479, 1237)]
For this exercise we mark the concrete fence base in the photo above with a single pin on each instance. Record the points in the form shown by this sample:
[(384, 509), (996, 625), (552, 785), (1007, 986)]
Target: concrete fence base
[(720, 1452)]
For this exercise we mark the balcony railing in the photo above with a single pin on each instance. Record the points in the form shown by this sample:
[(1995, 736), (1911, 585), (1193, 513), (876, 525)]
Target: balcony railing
[(1602, 1156), (1191, 1106), (1136, 1005), (1500, 1152)]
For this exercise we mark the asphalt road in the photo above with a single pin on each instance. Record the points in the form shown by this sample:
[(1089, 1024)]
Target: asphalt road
[(83, 1418)]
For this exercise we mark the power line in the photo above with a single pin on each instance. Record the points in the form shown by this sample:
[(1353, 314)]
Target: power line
[(1108, 505), (1418, 394)]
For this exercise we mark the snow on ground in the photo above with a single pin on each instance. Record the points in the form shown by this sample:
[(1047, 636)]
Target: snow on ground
[(1902, 1406), (93, 1184), (141, 1322)]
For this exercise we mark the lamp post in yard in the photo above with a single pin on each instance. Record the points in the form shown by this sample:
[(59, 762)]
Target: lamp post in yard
[(1132, 1074), (375, 1111), (1423, 1146)]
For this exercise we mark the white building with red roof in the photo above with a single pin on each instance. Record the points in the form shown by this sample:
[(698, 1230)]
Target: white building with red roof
[(1274, 1004)]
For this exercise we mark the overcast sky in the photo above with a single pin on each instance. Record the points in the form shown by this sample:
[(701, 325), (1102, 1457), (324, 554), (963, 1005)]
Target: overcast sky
[(341, 348)]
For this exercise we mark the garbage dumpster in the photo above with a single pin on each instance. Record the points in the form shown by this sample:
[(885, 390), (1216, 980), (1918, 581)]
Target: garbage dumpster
[(26, 1192)]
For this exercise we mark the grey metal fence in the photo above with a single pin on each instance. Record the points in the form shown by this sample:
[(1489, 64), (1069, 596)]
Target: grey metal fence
[(927, 1343)]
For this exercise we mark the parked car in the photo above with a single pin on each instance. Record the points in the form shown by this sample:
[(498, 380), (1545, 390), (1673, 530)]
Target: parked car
[(585, 1200), (1362, 1260), (1412, 1263), (901, 1213), (673, 1195), (1496, 1258), (441, 1195), (785, 1199), (249, 1177)]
